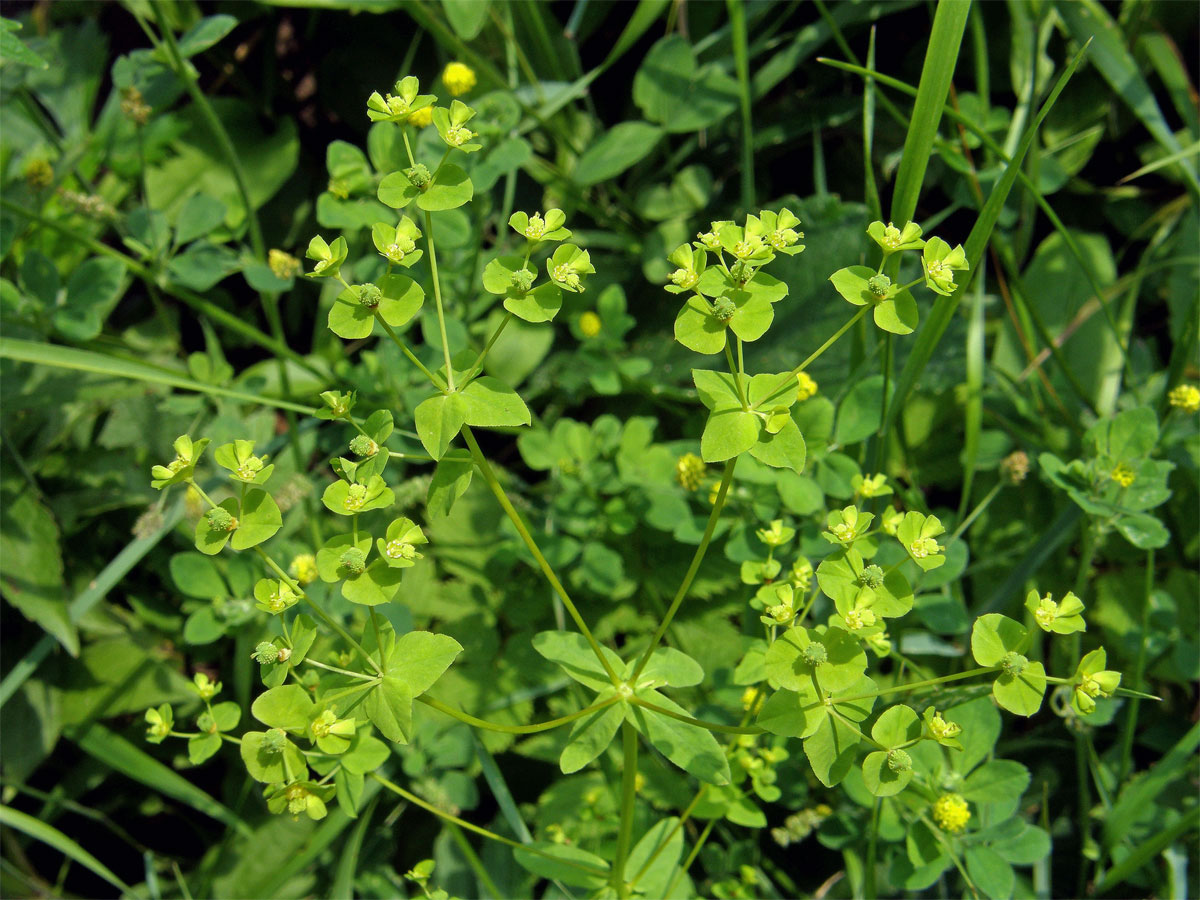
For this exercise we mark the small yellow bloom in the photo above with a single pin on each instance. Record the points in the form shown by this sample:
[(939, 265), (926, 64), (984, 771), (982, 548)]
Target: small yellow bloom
[(808, 387), (590, 324), (1185, 397), (690, 471), (753, 699), (39, 173), (458, 78), (283, 265), (421, 117), (951, 813), (1122, 475), (304, 567)]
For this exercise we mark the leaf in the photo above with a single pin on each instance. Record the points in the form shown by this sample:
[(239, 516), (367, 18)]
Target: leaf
[(563, 862), (451, 188), (669, 89), (348, 318), (663, 842), (48, 834), (784, 714), (269, 767), (692, 748), (402, 299), (197, 217), (205, 33), (92, 293), (990, 872), (420, 657), (574, 655), (260, 519), (993, 636), (782, 450), (591, 736), (727, 433), (13, 49), (539, 305), (895, 726), (451, 478), (1021, 694), (490, 403), (466, 17), (879, 777), (287, 707), (697, 329), (997, 781), (31, 567), (897, 314), (438, 420), (203, 265), (619, 148), (672, 667), (202, 747), (831, 750), (389, 707), (378, 584)]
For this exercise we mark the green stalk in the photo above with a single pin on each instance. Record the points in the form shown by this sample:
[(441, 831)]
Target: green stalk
[(737, 375), (697, 558), (741, 58), (433, 703), (498, 490), (787, 379), (483, 832), (691, 857), (629, 744), (699, 723), (391, 332), (437, 296), (474, 861), (478, 364)]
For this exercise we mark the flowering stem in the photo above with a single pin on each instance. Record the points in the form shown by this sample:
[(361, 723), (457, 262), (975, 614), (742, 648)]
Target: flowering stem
[(411, 356), (737, 375), (433, 703), (697, 558), (914, 685), (462, 823), (629, 743), (346, 672), (786, 380), (478, 364), (489, 476), (975, 513), (437, 297), (699, 723)]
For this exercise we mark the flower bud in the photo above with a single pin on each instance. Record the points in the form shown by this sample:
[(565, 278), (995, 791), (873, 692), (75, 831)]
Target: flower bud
[(369, 295), (354, 561), (723, 308), (898, 760), (879, 285), (220, 519), (815, 654), (808, 387), (361, 445), (283, 265), (872, 577), (265, 652), (590, 324)]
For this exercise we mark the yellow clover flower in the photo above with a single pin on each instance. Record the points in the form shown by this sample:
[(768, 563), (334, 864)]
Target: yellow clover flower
[(951, 813), (458, 78)]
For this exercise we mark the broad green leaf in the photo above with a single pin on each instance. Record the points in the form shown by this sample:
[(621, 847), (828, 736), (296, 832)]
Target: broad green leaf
[(13, 49), (402, 299), (287, 707), (389, 707), (1028, 846), (716, 389), (591, 735), (670, 89), (260, 519), (831, 750), (783, 450), (439, 420), (378, 584), (31, 567), (727, 433), (202, 747), (539, 305), (490, 403), (420, 657), (451, 188), (210, 541), (205, 33), (563, 862), (366, 753), (572, 652), (897, 314), (697, 329), (451, 478), (93, 291), (896, 725), (197, 576), (267, 766), (197, 217), (671, 667), (990, 872), (618, 149), (881, 780), (664, 842), (348, 318), (993, 636), (784, 714), (844, 663), (1021, 694), (1000, 781), (692, 748)]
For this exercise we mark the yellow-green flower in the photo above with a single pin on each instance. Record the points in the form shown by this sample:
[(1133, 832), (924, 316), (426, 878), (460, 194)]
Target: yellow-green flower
[(1185, 397), (1123, 475), (304, 568), (1092, 680), (590, 324), (458, 78), (690, 471), (808, 387), (951, 813), (421, 117)]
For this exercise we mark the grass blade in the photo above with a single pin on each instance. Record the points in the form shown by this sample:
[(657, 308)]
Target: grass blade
[(343, 882), (974, 401), (935, 324), (122, 756), (62, 357), (499, 787), (941, 56), (48, 834), (1089, 22)]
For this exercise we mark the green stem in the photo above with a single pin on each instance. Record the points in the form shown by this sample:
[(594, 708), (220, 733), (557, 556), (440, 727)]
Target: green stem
[(691, 857), (912, 686), (346, 672), (478, 364), (474, 861), (411, 356), (213, 122), (1139, 667), (515, 729), (683, 817), (437, 297), (629, 743), (786, 380), (699, 723), (737, 375), (869, 870), (975, 513), (489, 476), (491, 835), (697, 558)]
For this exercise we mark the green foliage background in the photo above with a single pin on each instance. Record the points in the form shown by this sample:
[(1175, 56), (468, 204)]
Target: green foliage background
[(137, 304)]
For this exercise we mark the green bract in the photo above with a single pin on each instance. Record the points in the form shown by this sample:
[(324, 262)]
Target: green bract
[(329, 257), (1063, 617), (917, 533), (894, 309), (451, 125), (396, 299), (398, 106), (998, 641), (182, 467), (398, 546), (567, 265), (242, 464), (540, 228), (397, 243), (892, 239), (350, 499), (940, 262)]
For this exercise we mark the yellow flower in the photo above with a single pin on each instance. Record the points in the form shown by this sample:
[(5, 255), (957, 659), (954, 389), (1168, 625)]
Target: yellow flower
[(951, 813), (752, 699), (690, 471), (283, 265), (304, 567), (808, 387), (1185, 397), (458, 78), (1122, 475), (421, 117), (590, 324)]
